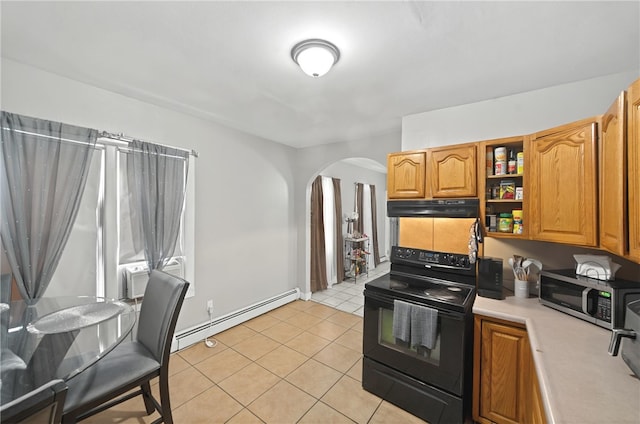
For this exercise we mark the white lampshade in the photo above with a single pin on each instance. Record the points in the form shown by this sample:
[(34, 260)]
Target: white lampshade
[(315, 57)]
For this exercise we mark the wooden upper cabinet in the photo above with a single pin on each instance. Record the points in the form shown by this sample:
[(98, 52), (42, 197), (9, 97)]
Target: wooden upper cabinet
[(561, 184), (633, 169), (406, 175), (451, 171), (613, 173)]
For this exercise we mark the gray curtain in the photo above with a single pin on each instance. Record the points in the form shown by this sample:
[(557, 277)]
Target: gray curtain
[(359, 224), (157, 178), (318, 277), (43, 168), (374, 226), (337, 194)]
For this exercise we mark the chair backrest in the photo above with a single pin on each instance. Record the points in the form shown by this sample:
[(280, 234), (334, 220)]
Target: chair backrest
[(159, 312), (42, 405)]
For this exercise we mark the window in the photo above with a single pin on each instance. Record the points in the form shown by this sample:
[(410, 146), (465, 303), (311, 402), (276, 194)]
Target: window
[(102, 246)]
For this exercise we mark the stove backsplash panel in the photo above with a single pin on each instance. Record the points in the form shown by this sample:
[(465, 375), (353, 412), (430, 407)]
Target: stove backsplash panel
[(438, 234)]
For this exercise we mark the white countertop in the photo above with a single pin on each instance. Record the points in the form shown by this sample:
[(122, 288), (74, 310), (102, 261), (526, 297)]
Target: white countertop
[(579, 381)]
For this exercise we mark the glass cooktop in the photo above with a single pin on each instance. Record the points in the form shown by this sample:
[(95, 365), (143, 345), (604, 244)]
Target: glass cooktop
[(438, 293)]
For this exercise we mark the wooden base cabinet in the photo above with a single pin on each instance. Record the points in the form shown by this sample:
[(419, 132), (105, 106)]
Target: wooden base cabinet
[(505, 386)]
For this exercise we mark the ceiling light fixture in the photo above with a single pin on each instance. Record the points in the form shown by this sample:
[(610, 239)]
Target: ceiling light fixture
[(315, 57)]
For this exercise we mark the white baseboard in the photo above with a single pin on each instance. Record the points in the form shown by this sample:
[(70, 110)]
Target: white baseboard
[(199, 332), (305, 295)]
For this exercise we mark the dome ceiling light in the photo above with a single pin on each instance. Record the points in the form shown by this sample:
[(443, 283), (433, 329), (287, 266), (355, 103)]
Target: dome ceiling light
[(315, 57)]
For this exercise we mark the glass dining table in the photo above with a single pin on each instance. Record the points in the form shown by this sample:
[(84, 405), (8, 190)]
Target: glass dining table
[(56, 338)]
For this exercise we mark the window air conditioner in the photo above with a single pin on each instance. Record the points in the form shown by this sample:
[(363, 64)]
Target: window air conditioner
[(137, 276)]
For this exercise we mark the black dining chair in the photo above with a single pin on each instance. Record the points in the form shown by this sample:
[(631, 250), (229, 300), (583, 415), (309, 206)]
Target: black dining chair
[(133, 364), (40, 406)]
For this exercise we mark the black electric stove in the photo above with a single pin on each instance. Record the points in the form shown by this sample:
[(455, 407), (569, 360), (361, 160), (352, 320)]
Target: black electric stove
[(433, 384), (436, 279)]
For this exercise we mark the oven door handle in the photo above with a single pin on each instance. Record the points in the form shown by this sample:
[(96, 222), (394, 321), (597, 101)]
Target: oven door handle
[(388, 302)]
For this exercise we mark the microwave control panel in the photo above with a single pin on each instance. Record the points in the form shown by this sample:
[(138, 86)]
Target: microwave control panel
[(603, 306)]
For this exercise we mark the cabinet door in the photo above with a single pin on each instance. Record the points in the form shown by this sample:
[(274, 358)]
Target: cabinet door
[(505, 385), (613, 173), (535, 409), (406, 175), (452, 171), (562, 184), (503, 358), (633, 170)]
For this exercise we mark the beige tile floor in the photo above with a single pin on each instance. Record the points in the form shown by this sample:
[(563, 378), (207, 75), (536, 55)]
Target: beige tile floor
[(347, 296), (300, 363)]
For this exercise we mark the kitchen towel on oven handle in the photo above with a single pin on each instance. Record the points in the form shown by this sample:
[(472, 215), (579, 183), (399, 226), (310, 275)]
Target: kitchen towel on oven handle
[(424, 326), (415, 323), (402, 320)]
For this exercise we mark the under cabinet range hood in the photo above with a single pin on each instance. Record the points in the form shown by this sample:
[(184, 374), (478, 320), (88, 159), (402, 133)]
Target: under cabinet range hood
[(442, 208)]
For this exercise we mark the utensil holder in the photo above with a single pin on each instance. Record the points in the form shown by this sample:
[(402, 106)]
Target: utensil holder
[(521, 288)]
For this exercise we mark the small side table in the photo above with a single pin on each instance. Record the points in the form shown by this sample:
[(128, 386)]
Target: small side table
[(357, 256)]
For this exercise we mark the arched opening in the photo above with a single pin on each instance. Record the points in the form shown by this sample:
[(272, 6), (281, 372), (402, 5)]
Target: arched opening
[(369, 177)]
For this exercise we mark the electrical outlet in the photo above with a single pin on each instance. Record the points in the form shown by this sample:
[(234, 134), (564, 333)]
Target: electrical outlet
[(210, 306)]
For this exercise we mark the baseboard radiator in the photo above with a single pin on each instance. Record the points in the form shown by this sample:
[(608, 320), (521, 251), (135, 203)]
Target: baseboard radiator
[(198, 333)]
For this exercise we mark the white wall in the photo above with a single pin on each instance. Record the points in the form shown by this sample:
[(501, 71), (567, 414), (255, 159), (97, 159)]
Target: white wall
[(309, 163), (244, 213), (517, 115), (514, 115)]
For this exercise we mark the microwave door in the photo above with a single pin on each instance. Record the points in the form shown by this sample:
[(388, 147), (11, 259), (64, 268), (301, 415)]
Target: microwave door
[(585, 301)]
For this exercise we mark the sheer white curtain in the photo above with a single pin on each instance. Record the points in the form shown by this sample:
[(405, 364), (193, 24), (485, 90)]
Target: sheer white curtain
[(43, 172), (328, 208), (367, 221)]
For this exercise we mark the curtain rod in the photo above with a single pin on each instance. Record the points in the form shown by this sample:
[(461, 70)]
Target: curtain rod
[(127, 139)]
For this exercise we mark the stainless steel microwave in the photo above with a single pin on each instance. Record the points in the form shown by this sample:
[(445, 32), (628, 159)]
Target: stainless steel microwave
[(597, 301)]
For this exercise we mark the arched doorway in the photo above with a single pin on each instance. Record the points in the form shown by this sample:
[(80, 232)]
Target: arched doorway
[(352, 171)]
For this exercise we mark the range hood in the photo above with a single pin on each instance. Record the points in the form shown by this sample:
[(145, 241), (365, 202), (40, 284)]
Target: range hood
[(442, 208)]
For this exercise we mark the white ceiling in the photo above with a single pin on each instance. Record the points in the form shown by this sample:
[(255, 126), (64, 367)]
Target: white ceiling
[(230, 61)]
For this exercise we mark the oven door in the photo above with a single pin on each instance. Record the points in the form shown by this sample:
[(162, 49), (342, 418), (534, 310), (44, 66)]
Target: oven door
[(443, 366)]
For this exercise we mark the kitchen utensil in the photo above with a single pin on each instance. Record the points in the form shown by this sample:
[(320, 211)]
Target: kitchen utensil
[(517, 260), (520, 273), (527, 264)]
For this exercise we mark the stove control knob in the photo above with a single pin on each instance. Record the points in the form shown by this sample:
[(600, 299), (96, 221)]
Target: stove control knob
[(464, 262)]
